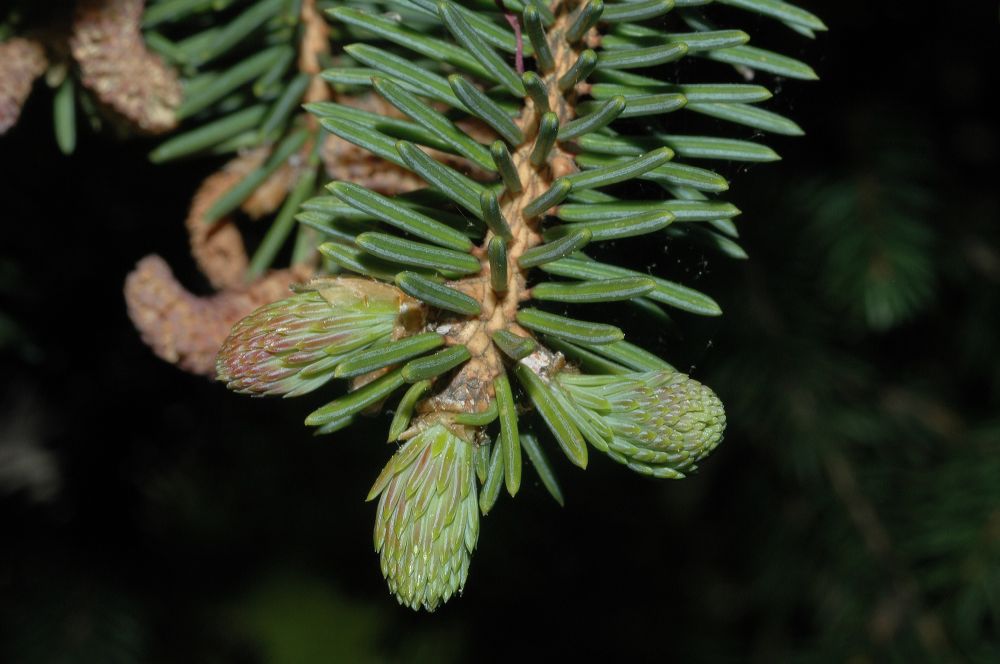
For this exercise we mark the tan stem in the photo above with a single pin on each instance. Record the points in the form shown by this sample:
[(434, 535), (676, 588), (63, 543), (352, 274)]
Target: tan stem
[(471, 388)]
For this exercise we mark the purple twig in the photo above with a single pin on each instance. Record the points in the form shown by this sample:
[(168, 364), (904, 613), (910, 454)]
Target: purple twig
[(516, 25)]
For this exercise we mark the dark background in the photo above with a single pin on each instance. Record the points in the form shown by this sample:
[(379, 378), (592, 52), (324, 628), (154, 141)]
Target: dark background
[(852, 513)]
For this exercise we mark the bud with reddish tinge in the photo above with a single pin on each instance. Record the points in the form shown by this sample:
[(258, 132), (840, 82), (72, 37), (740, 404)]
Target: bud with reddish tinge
[(428, 517), (292, 346), (660, 423)]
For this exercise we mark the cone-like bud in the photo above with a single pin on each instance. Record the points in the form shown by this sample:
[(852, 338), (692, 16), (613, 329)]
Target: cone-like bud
[(428, 517), (659, 423), (292, 346)]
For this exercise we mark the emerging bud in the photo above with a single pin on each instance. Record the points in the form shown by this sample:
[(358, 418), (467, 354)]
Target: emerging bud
[(292, 346), (428, 517), (659, 423)]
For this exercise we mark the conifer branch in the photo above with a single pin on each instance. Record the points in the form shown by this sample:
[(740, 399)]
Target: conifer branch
[(466, 154)]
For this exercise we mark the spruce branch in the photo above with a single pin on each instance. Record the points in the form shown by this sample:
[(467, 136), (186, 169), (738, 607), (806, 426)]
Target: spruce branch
[(470, 147)]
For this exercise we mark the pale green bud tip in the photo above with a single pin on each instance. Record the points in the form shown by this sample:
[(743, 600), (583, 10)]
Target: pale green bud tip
[(292, 346), (658, 423), (685, 414), (428, 517)]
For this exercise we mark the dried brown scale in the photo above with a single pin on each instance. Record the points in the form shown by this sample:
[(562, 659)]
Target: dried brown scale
[(346, 161), (188, 330), (106, 42), (185, 329), (477, 130), (271, 193), (21, 62), (315, 44), (218, 247), (180, 327), (471, 389)]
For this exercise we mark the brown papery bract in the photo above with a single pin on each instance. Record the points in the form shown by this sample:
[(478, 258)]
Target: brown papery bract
[(21, 62), (107, 44), (186, 329)]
